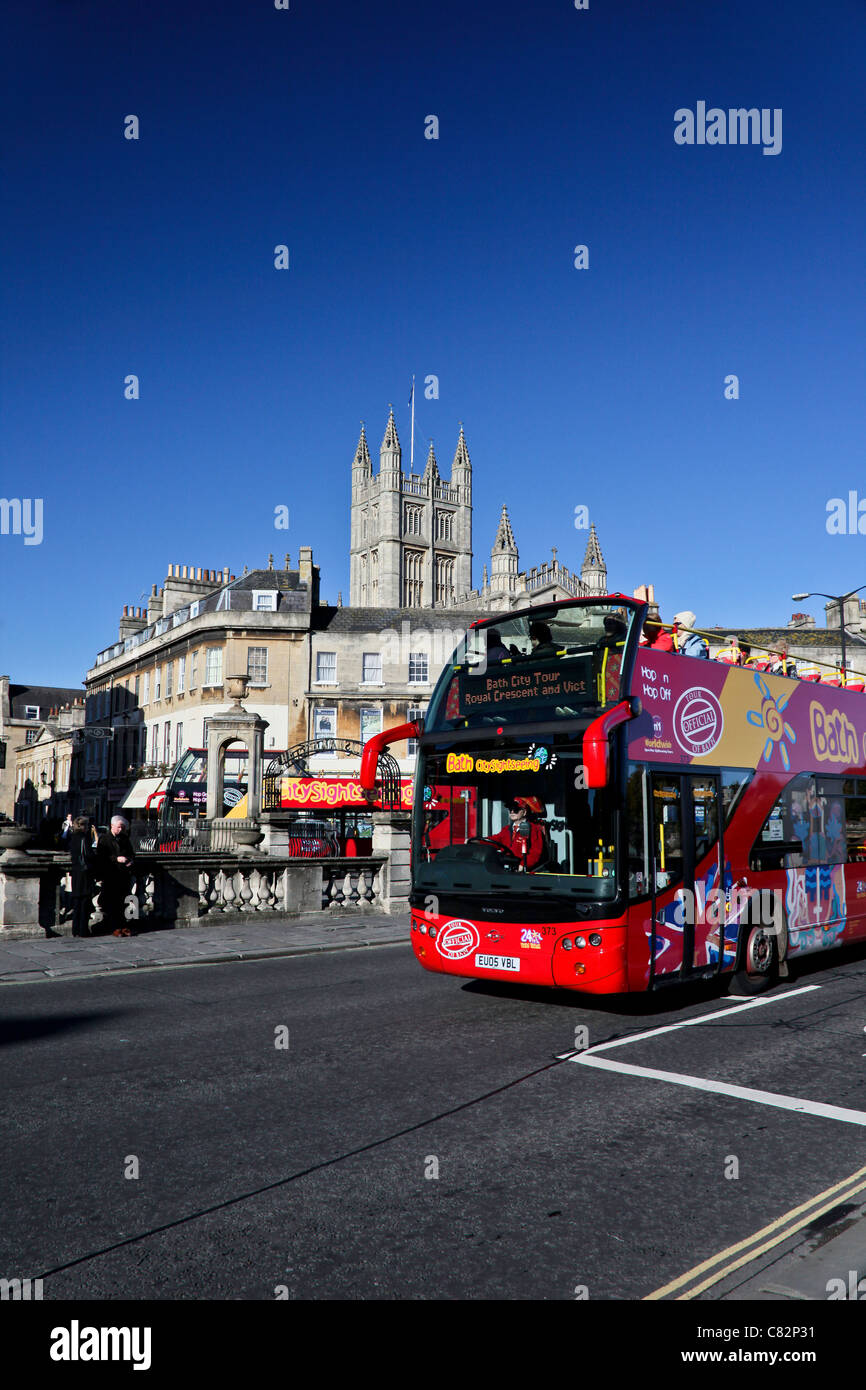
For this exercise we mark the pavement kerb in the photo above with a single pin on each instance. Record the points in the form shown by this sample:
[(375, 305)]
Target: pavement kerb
[(31, 972)]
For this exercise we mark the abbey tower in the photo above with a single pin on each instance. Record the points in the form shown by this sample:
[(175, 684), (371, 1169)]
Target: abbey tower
[(411, 541)]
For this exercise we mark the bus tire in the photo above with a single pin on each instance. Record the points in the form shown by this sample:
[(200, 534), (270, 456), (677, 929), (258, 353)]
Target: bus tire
[(758, 965)]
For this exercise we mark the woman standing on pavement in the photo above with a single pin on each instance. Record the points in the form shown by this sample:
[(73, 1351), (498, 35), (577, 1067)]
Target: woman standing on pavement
[(82, 852)]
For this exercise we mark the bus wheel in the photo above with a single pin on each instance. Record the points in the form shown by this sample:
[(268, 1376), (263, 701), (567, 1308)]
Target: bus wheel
[(759, 963)]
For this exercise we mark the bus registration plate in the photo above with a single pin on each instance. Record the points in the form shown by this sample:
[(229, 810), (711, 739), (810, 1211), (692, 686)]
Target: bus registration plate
[(497, 962)]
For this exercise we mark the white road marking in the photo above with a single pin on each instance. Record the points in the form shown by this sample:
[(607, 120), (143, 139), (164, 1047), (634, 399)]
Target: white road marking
[(699, 1083), (686, 1023)]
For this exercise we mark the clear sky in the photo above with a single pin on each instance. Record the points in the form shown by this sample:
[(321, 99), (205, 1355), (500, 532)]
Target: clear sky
[(602, 387)]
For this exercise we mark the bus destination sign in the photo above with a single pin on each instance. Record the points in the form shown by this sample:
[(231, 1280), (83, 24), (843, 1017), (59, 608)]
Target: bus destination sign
[(504, 687)]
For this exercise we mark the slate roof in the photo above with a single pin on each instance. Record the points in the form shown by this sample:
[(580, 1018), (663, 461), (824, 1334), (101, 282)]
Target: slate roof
[(47, 697), (336, 620), (284, 580)]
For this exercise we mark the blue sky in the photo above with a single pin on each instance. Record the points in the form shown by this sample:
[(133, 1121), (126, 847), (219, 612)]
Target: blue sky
[(601, 387)]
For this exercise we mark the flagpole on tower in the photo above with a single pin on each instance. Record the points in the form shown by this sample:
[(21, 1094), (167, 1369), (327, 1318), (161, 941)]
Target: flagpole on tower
[(412, 445)]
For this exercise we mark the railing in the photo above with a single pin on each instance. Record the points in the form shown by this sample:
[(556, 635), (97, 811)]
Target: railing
[(554, 574), (187, 836)]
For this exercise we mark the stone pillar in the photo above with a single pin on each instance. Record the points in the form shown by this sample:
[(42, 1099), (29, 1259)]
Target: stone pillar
[(391, 838), (237, 725), (19, 900)]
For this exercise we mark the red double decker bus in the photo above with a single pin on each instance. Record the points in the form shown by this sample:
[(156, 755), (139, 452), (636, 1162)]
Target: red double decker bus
[(612, 818)]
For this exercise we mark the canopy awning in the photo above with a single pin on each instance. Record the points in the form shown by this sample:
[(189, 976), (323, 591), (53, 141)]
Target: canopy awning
[(136, 797)]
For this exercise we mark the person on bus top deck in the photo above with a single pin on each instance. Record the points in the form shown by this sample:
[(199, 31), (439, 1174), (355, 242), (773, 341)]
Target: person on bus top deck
[(754, 663), (496, 648), (524, 838), (609, 650), (687, 642), (732, 654), (541, 639), (656, 636)]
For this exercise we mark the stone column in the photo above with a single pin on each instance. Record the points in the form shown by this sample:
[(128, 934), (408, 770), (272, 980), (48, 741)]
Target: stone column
[(391, 838)]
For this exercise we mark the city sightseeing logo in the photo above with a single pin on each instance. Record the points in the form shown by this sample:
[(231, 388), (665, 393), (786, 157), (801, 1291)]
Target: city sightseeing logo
[(698, 721), (769, 717)]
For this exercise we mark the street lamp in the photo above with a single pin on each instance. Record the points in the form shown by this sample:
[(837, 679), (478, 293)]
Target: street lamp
[(841, 600)]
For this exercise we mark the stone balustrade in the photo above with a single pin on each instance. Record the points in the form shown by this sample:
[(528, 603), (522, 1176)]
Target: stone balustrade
[(185, 890), (191, 887)]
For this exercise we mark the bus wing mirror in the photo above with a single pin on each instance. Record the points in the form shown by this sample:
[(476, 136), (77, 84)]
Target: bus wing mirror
[(378, 744), (596, 741)]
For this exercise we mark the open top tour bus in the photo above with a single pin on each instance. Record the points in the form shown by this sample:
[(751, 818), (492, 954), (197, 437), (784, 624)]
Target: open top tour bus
[(593, 814)]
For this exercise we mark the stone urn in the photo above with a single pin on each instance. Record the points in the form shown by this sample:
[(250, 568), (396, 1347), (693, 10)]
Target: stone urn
[(246, 837), (13, 838), (236, 688)]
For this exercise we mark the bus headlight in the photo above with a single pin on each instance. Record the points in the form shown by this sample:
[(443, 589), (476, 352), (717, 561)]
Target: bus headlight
[(580, 941), (431, 930), (595, 939), (566, 944)]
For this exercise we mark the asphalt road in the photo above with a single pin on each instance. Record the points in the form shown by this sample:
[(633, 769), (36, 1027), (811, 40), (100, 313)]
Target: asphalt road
[(310, 1171)]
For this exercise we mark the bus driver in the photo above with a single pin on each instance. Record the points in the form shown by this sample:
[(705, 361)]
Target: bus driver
[(521, 836)]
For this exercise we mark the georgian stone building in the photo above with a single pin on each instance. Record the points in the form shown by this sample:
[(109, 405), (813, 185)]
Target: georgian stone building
[(151, 693), (26, 712)]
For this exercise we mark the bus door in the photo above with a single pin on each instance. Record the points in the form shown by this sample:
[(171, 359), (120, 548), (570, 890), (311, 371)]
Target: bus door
[(686, 849)]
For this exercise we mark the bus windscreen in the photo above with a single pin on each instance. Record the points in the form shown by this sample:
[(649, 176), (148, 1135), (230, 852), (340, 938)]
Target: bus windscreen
[(516, 819), (549, 663)]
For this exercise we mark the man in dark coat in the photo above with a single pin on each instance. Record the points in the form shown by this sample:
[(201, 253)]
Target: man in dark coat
[(82, 854), (115, 862)]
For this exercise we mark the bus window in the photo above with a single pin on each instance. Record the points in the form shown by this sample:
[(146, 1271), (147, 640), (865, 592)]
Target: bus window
[(552, 662), (638, 833), (806, 825), (517, 820), (705, 811), (667, 820), (734, 782), (855, 819)]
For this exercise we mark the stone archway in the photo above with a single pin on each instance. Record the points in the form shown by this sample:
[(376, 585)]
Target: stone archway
[(237, 725)]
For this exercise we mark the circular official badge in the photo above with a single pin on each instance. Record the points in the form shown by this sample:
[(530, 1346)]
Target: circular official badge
[(457, 939), (698, 721)]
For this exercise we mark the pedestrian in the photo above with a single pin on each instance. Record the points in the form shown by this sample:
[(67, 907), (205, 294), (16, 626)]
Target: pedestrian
[(82, 855), (115, 861)]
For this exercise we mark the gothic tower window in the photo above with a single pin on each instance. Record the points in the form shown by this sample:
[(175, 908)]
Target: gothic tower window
[(411, 519), (363, 578), (413, 569), (444, 579), (444, 526), (364, 525), (374, 578)]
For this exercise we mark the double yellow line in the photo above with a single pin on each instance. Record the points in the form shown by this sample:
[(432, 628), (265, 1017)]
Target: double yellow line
[(778, 1231)]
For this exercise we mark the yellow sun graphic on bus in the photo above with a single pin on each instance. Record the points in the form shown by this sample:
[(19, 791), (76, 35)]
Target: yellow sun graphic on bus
[(769, 717)]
